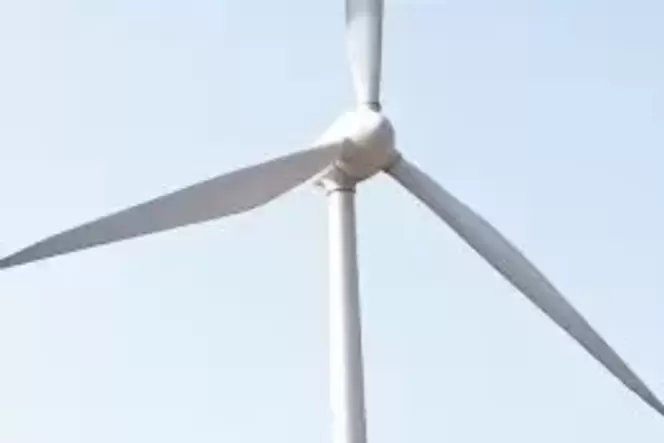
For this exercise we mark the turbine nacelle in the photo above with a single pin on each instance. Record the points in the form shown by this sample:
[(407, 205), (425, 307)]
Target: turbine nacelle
[(366, 138)]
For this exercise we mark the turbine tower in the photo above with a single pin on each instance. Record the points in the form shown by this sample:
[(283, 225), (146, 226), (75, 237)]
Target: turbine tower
[(357, 146)]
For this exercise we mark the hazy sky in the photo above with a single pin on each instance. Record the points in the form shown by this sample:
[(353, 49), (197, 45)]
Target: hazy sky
[(546, 116)]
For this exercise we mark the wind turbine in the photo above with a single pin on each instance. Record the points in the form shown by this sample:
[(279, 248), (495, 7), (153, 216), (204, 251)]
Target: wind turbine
[(357, 146)]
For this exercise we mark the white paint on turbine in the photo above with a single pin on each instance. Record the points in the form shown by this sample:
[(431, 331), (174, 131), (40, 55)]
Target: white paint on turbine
[(357, 145), (364, 39)]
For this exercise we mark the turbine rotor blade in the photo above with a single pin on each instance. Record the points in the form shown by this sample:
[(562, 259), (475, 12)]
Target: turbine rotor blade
[(511, 263), (228, 194), (364, 33)]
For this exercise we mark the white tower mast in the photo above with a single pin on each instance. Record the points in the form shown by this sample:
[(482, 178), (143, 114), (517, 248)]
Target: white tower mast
[(346, 361)]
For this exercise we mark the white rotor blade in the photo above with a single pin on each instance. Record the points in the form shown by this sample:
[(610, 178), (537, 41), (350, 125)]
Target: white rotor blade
[(228, 194), (364, 33), (507, 260)]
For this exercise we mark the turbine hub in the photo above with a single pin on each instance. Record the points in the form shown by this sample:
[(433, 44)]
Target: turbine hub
[(367, 138)]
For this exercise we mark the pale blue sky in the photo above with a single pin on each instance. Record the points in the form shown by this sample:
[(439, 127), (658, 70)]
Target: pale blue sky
[(546, 116)]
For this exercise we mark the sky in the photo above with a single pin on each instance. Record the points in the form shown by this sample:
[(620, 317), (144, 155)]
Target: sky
[(545, 116)]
